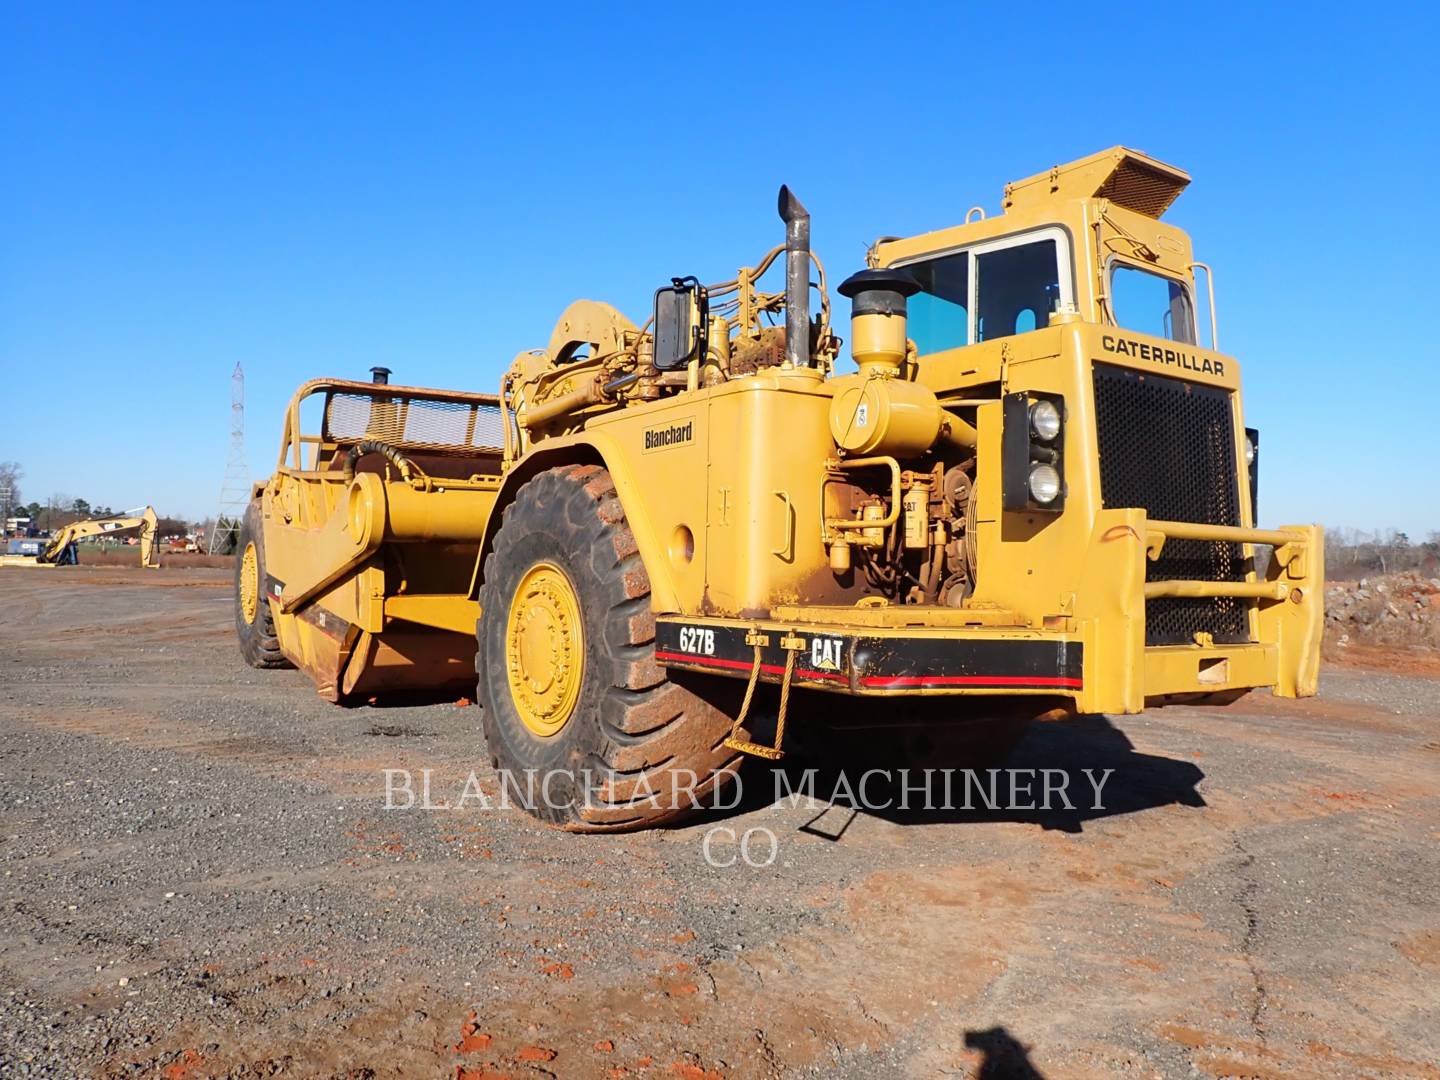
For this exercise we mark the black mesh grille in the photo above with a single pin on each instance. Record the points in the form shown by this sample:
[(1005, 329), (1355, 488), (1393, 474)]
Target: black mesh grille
[(1168, 447)]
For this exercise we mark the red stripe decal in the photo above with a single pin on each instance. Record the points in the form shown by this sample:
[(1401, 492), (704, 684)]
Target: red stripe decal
[(881, 681), (713, 661), (742, 665), (971, 680)]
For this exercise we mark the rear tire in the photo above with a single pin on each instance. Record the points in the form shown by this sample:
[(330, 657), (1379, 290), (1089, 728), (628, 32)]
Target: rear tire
[(568, 681), (254, 622)]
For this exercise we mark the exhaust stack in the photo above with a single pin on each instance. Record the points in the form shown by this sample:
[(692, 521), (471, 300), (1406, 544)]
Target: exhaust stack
[(797, 279)]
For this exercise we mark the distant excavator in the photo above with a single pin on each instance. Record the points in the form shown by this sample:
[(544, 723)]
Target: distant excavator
[(62, 549)]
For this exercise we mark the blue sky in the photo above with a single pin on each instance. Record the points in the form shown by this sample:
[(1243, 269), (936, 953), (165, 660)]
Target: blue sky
[(313, 189)]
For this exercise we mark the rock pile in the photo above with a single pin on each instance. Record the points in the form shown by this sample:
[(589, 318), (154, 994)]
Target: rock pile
[(1395, 609)]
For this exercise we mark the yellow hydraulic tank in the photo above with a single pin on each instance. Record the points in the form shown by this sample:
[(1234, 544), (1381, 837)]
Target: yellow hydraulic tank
[(768, 442)]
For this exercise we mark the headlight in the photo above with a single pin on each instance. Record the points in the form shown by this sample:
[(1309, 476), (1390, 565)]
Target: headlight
[(1045, 420), (1249, 451), (1044, 484), (1032, 453)]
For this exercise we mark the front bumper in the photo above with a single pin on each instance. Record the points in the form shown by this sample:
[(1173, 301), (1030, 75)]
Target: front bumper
[(1097, 655), (874, 661)]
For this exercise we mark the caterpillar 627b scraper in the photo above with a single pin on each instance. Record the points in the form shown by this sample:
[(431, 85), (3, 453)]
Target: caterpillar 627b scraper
[(1034, 495)]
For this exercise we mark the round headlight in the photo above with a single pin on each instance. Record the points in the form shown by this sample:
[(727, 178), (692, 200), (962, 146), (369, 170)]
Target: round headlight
[(1249, 450), (1044, 420), (1044, 484)]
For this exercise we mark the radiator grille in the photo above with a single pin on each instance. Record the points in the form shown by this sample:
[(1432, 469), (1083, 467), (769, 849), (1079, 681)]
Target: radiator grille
[(437, 425), (1168, 447)]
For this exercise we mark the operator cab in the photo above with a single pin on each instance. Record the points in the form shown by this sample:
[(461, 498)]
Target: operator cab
[(1080, 242)]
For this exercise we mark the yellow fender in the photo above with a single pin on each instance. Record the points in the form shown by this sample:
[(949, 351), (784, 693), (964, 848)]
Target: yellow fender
[(590, 448)]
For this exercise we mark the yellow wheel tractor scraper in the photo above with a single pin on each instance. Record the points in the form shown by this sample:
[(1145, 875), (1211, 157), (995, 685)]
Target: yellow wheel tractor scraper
[(657, 544)]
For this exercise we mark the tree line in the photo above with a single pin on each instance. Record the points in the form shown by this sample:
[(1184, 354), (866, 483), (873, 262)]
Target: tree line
[(1352, 553), (61, 509)]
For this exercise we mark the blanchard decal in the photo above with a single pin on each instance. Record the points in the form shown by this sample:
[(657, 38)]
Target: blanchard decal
[(1176, 358), (866, 663), (680, 433)]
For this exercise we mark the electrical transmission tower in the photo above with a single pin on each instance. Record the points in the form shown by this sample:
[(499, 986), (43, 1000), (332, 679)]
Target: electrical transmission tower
[(235, 490)]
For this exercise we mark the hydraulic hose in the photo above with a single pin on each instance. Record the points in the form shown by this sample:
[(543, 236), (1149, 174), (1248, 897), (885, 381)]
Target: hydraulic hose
[(375, 446)]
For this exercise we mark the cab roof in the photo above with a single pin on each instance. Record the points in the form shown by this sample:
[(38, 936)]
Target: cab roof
[(1126, 177)]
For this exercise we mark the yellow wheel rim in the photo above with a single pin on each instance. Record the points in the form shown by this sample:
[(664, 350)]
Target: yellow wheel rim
[(545, 649), (249, 584)]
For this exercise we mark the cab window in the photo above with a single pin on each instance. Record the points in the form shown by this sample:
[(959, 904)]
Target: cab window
[(939, 315), (1018, 289), (1151, 304), (994, 290)]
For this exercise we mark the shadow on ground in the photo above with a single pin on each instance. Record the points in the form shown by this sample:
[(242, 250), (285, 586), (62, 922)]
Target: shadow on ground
[(1004, 1057), (1069, 757)]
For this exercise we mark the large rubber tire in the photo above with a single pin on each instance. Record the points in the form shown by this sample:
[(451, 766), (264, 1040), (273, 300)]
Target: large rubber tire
[(631, 726), (258, 643)]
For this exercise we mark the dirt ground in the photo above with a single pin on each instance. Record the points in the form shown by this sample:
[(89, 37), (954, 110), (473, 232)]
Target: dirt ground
[(200, 878)]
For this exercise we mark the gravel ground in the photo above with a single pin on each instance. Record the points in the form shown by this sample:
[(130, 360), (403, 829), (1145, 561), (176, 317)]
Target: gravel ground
[(201, 878)]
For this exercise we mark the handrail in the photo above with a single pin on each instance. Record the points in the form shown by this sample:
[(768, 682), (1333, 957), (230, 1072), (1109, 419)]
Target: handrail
[(1158, 532), (1252, 590), (291, 436), (1210, 285), (1191, 530)]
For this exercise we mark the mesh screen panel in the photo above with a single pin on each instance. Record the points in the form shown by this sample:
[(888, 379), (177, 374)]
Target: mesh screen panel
[(1141, 188), (440, 426), (1168, 447)]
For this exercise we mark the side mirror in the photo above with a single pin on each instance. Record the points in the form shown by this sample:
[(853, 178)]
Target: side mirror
[(682, 319)]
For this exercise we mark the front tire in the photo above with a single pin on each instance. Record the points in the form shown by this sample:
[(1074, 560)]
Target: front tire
[(254, 622), (582, 723)]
